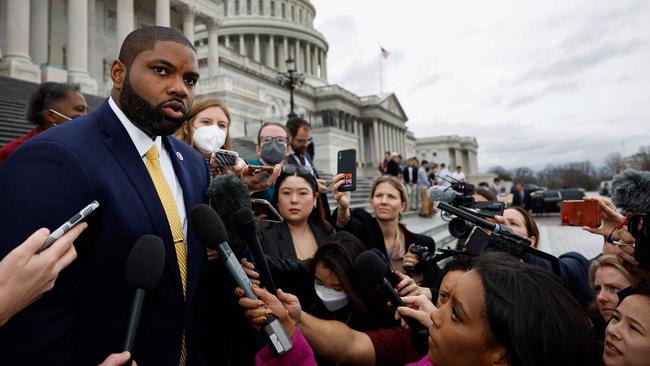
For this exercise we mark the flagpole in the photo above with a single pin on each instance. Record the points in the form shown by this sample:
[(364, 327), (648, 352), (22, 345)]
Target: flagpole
[(381, 77)]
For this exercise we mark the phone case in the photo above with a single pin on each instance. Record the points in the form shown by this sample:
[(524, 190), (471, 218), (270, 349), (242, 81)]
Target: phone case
[(580, 213), (225, 157), (347, 164)]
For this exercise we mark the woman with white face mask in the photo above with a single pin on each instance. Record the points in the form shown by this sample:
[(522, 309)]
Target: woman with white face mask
[(207, 130)]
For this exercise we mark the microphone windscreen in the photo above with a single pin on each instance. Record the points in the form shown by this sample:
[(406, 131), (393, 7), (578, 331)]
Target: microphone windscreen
[(208, 226), (145, 262), (631, 191), (442, 194), (227, 194), (370, 268), (244, 216)]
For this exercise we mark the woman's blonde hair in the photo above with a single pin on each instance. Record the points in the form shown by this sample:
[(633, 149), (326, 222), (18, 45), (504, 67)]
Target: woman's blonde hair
[(199, 105), (609, 261), (395, 182)]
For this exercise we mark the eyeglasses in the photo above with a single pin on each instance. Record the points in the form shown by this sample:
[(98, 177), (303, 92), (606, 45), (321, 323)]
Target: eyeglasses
[(60, 114), (278, 139), (291, 169)]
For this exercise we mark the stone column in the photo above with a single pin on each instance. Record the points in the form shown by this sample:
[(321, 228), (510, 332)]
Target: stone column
[(213, 48), (16, 62), (286, 54), (324, 65), (256, 48), (125, 20), (189, 14), (38, 34), (459, 158), (376, 150), (226, 40), (362, 151), (297, 53), (382, 137), (308, 60), (78, 46), (270, 52), (162, 13), (242, 45)]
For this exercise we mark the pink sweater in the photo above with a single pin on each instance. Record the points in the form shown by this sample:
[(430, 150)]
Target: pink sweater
[(302, 355)]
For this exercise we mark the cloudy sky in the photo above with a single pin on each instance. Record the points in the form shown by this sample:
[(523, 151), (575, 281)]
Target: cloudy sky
[(536, 82)]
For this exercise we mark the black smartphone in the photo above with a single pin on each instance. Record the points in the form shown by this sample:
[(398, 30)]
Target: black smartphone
[(264, 207), (347, 164)]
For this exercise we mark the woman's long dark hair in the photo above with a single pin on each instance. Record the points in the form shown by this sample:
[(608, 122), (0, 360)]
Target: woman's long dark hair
[(314, 218), (533, 315)]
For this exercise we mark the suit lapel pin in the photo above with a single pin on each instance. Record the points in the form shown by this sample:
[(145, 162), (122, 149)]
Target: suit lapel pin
[(179, 155)]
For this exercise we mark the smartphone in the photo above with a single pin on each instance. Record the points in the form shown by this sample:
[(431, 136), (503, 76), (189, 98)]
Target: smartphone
[(264, 168), (347, 164), (490, 208), (477, 241), (74, 220), (263, 207), (225, 157), (580, 213)]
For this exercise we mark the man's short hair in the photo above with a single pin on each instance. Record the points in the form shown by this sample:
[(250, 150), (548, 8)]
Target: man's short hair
[(294, 124), (424, 162), (145, 38), (259, 133), (45, 97)]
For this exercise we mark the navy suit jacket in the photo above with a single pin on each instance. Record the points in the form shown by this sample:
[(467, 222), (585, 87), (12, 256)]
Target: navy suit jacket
[(84, 317)]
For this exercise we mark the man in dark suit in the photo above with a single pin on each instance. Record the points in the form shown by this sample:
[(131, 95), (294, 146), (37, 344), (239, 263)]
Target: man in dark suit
[(146, 183), (300, 132)]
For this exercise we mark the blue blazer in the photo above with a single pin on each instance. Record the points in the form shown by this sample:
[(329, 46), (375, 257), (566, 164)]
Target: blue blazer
[(84, 318)]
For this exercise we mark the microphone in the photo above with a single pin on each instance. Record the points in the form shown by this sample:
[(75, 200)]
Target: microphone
[(631, 191), (229, 198), (143, 269), (248, 232), (372, 270), (443, 194), (210, 229)]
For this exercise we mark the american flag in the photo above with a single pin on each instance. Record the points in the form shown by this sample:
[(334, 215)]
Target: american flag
[(384, 53)]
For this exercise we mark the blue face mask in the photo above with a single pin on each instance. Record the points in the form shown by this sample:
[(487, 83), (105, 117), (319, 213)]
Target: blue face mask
[(332, 299), (273, 152)]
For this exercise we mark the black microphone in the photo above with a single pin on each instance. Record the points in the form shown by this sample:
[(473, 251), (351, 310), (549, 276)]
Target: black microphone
[(372, 270), (210, 229), (143, 269), (229, 198), (248, 232)]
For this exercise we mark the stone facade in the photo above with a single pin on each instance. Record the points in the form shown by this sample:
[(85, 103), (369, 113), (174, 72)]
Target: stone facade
[(450, 150), (241, 44)]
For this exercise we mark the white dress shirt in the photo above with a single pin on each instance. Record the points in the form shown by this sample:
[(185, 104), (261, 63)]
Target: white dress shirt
[(143, 143)]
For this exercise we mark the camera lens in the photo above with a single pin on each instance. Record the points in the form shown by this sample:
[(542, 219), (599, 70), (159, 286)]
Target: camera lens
[(459, 228)]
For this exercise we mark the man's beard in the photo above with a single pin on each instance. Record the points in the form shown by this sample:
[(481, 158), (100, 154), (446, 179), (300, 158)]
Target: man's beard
[(148, 118)]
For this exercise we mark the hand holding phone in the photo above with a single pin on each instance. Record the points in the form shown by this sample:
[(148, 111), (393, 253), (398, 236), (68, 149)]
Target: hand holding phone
[(72, 222), (580, 213), (263, 208), (347, 165), (225, 158)]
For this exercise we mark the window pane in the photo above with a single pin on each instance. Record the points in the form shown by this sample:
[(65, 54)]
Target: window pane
[(272, 8), (261, 7)]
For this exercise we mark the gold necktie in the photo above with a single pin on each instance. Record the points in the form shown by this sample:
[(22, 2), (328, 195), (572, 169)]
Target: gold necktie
[(171, 211)]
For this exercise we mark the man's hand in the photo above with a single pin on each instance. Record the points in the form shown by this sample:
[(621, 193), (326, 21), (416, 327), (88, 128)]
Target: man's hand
[(418, 307), (257, 180), (25, 276)]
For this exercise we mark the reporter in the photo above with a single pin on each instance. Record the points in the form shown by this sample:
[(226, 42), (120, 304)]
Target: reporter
[(627, 337), (607, 277), (25, 276), (502, 312)]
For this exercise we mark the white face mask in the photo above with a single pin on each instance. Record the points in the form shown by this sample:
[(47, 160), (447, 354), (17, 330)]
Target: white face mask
[(209, 138), (332, 299)]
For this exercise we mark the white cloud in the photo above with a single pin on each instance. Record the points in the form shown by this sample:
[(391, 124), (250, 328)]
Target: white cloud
[(536, 82)]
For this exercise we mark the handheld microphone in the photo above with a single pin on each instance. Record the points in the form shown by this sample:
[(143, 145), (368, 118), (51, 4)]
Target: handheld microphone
[(143, 269), (248, 232), (229, 198), (210, 229), (373, 271)]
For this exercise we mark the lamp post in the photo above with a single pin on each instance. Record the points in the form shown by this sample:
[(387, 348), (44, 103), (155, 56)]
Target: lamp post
[(291, 79)]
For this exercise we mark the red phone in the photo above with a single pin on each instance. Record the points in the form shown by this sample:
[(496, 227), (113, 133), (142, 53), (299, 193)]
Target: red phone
[(581, 213)]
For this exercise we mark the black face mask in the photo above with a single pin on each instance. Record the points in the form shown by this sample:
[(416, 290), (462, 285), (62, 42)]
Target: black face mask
[(273, 152), (150, 119)]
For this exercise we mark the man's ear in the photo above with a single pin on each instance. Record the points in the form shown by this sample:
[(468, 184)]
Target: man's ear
[(118, 73)]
